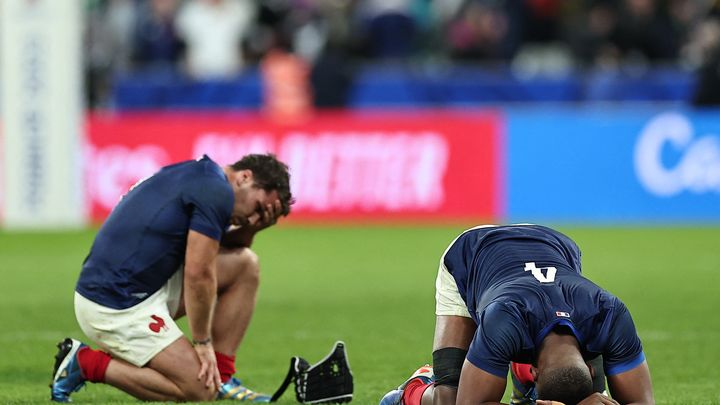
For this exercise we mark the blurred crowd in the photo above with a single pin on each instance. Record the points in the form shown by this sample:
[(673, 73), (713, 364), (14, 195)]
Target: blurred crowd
[(218, 39)]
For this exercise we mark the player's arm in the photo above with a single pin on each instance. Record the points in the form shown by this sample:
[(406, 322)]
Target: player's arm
[(625, 366), (200, 290), (479, 387), (242, 236), (633, 386), (200, 283), (498, 337)]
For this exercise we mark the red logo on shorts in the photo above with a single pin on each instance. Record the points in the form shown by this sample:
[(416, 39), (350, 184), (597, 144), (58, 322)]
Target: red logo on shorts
[(158, 324)]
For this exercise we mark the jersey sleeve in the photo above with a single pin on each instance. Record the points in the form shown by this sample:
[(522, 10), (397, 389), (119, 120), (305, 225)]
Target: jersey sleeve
[(623, 349), (210, 201), (498, 338)]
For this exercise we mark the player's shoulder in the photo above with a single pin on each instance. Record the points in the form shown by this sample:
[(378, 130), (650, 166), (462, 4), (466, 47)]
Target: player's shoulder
[(203, 179), (204, 169), (502, 314), (503, 330)]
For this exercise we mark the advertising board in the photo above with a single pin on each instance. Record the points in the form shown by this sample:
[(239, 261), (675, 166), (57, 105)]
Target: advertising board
[(352, 166), (613, 165)]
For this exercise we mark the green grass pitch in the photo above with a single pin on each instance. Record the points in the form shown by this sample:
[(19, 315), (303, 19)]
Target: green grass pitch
[(373, 288)]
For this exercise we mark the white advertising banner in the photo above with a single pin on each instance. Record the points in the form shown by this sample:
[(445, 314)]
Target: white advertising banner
[(41, 115)]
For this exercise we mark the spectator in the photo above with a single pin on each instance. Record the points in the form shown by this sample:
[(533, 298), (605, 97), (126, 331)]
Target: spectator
[(478, 32), (332, 72), (542, 20), (645, 32), (108, 46), (390, 28), (331, 77), (156, 42), (707, 40), (591, 36), (213, 32), (287, 96)]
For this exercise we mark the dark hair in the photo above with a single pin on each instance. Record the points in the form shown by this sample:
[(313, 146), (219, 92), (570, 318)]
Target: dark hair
[(269, 174), (568, 385)]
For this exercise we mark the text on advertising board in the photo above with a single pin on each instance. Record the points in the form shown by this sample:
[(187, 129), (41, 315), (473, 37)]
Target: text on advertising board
[(695, 170), (342, 166)]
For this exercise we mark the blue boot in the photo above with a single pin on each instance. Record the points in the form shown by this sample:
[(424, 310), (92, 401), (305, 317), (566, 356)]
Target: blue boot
[(234, 389), (67, 377)]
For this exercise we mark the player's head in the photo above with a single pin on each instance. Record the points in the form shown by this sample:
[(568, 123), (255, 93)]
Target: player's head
[(568, 385), (266, 173), (561, 373)]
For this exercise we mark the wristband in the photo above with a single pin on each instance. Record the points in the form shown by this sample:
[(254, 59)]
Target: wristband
[(201, 342)]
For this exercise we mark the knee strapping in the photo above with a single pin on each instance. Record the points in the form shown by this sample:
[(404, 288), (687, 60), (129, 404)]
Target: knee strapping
[(447, 364)]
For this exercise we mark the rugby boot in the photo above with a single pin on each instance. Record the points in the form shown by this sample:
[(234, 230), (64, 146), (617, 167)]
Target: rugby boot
[(67, 377), (234, 389), (394, 397)]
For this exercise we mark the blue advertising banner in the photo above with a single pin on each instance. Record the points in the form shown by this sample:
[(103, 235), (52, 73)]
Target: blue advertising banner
[(613, 165)]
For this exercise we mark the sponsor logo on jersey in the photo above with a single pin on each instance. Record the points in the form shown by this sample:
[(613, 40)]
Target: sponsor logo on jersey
[(562, 314)]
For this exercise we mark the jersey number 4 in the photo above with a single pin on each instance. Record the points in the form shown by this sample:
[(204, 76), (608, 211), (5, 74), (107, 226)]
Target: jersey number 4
[(549, 275)]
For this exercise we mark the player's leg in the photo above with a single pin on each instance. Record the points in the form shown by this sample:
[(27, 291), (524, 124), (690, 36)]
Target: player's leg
[(170, 376), (453, 335), (523, 392), (454, 330), (151, 359), (438, 384), (238, 281)]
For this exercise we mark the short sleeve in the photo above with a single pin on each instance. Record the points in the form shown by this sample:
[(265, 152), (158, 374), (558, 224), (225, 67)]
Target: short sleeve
[(623, 349), (499, 337), (210, 201)]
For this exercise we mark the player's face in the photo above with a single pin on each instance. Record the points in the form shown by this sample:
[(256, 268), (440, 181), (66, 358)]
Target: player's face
[(251, 202)]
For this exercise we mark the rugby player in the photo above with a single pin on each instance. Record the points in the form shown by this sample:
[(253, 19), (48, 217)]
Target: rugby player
[(516, 294), (178, 243)]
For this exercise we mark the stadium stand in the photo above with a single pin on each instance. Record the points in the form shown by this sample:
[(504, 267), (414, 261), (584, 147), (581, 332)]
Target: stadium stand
[(445, 53)]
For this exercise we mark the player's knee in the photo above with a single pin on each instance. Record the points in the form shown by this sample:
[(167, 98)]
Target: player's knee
[(247, 265), (250, 266), (447, 364)]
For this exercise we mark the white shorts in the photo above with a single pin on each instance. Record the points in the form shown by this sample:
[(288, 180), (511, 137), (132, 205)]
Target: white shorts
[(447, 297), (136, 334)]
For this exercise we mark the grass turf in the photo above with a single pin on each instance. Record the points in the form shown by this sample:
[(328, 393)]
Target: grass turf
[(373, 288)]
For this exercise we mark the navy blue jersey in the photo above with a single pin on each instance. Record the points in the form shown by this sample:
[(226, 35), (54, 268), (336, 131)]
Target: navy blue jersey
[(142, 243), (521, 281)]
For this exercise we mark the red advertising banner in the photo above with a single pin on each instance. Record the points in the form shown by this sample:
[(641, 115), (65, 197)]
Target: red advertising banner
[(427, 165)]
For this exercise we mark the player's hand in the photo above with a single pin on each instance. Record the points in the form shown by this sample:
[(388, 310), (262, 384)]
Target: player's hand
[(209, 372), (266, 218)]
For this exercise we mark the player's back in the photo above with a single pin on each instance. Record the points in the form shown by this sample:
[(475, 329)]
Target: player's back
[(484, 258), (142, 242), (519, 282)]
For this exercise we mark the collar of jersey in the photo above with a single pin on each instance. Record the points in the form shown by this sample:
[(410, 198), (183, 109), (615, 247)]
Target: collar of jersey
[(565, 322)]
